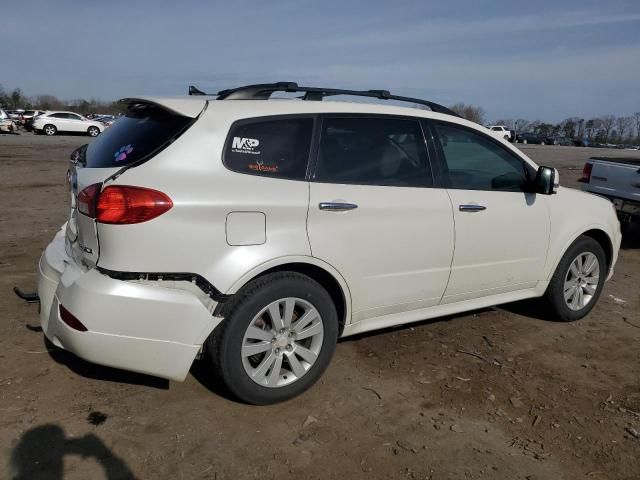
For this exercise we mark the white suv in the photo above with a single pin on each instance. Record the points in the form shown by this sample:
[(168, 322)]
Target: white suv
[(500, 131), (51, 123), (254, 233)]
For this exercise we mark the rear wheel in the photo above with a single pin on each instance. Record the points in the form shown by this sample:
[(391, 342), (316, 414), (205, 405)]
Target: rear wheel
[(49, 130), (578, 280), (93, 131), (278, 337)]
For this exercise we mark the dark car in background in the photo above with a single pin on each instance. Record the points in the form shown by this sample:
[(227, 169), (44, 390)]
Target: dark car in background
[(558, 140), (529, 137)]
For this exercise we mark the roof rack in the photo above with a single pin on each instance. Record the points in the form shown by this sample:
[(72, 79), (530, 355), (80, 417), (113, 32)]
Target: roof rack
[(263, 91)]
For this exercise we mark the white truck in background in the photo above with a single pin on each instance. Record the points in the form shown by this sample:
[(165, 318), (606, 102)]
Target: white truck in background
[(618, 179), (501, 132)]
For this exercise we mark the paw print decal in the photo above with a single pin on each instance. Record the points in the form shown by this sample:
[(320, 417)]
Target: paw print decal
[(123, 153)]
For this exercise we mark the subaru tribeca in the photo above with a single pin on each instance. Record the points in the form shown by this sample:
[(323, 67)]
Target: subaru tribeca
[(253, 233)]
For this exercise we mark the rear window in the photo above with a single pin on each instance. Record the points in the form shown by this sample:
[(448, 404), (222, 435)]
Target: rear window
[(272, 148), (143, 132)]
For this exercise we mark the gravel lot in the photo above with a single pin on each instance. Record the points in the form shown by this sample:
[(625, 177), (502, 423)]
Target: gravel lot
[(497, 393)]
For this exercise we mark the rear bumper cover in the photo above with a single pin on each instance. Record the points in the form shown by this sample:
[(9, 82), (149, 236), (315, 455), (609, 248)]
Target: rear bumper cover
[(143, 328)]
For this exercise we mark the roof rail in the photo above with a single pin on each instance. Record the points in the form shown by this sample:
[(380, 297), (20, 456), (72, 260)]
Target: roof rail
[(263, 91)]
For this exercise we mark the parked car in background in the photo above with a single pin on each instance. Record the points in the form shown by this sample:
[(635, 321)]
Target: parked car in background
[(7, 125), (53, 122), (618, 179), (501, 132), (28, 117), (15, 114), (107, 120), (29, 114), (529, 137), (253, 233), (558, 140)]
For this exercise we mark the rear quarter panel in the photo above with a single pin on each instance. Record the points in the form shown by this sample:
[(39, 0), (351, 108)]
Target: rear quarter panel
[(191, 237)]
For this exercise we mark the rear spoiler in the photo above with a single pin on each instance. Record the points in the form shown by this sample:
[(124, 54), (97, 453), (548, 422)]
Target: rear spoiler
[(187, 107)]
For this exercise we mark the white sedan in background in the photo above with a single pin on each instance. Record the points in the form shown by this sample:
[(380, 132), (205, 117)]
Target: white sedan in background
[(51, 123)]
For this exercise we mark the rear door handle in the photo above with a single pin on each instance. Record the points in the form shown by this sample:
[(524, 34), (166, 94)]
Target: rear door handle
[(471, 208), (337, 206)]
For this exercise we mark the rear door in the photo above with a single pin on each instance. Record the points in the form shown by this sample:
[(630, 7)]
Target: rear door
[(375, 216), (502, 232)]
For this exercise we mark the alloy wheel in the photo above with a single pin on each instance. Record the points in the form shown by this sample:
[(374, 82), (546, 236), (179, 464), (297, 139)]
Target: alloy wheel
[(282, 342), (581, 281)]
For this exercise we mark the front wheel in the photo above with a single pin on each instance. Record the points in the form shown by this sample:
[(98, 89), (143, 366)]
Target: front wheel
[(93, 131), (525, 141), (578, 280), (278, 337)]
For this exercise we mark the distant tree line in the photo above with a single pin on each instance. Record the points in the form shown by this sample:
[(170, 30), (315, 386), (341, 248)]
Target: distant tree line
[(15, 99), (605, 129)]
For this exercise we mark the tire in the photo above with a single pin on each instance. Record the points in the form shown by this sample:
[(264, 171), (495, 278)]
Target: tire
[(93, 131), (249, 327), (524, 141), (49, 130), (574, 307)]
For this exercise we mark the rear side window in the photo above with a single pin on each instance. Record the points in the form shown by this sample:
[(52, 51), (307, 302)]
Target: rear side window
[(373, 151), (272, 148), (143, 132)]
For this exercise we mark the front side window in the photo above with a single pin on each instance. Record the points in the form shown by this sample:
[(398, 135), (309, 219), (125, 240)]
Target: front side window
[(272, 148), (373, 151), (475, 162)]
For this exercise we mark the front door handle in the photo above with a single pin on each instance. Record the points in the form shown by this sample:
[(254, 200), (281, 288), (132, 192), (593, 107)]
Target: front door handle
[(471, 208), (337, 206)]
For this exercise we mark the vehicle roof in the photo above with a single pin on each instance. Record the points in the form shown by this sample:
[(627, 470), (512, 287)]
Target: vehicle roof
[(49, 112), (191, 106)]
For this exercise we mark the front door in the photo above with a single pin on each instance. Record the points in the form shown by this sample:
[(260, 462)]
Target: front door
[(375, 216), (502, 232)]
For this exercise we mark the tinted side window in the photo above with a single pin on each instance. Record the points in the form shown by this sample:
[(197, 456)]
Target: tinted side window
[(373, 151), (58, 115), (271, 148), (474, 162)]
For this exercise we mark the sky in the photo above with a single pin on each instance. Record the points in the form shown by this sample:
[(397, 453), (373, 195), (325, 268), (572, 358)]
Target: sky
[(540, 59)]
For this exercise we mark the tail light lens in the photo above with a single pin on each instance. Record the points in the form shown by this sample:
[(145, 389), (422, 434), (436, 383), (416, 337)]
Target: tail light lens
[(586, 173), (124, 205), (87, 200)]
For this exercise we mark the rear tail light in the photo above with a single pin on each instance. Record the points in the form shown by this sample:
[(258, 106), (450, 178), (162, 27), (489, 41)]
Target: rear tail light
[(122, 205), (68, 318), (586, 173), (87, 200)]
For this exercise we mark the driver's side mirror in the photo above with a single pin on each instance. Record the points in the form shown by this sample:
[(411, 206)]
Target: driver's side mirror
[(547, 181)]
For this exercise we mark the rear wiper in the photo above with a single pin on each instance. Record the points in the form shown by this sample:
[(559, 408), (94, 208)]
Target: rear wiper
[(79, 155)]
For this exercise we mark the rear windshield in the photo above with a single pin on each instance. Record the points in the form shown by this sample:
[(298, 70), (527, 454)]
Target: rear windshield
[(143, 132)]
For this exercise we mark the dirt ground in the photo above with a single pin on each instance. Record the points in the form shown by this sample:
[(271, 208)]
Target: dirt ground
[(493, 394)]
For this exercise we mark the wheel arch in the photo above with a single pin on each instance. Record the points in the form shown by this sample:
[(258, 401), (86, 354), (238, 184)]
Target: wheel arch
[(597, 233), (320, 271)]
